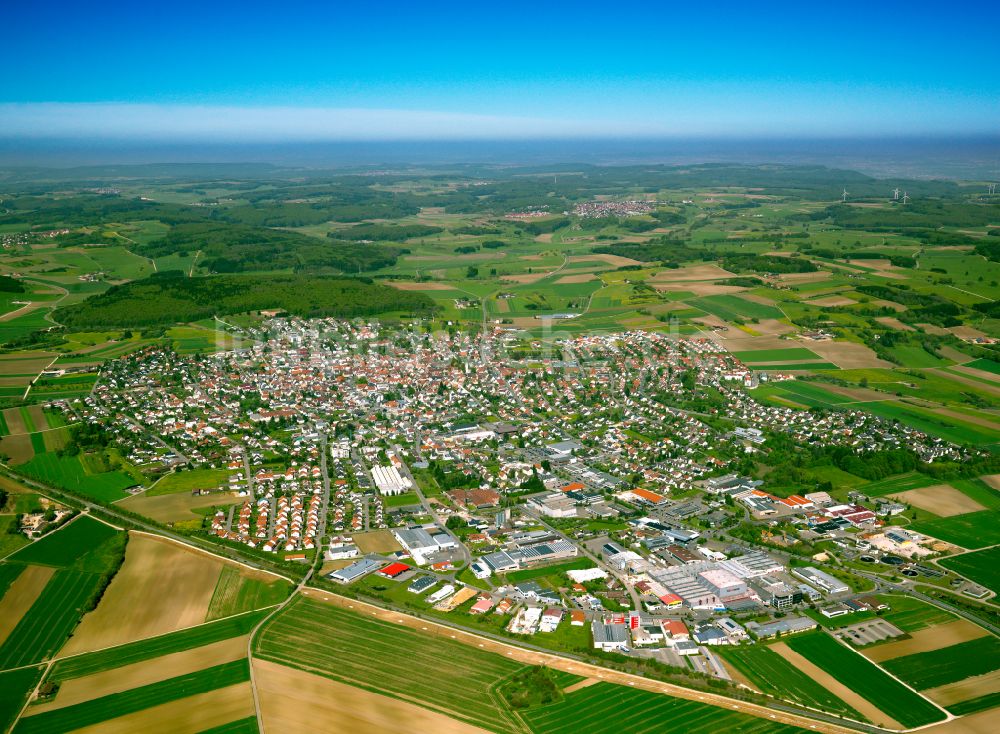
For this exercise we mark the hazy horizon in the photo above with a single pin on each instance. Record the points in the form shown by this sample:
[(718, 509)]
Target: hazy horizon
[(970, 157)]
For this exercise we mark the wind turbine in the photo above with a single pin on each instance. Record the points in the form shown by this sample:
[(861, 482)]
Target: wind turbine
[(992, 189), (895, 194), (843, 196), (906, 197)]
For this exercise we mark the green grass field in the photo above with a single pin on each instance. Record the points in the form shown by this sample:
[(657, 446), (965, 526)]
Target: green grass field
[(50, 620), (981, 567), (243, 726), (68, 472), (154, 647), (948, 664), (15, 687), (972, 530), (369, 653), (986, 365), (515, 577), (792, 354), (865, 679), (911, 614), (606, 708), (933, 424), (236, 593), (734, 308), (8, 574), (774, 675), (112, 706), (898, 483), (981, 703), (188, 481), (64, 547)]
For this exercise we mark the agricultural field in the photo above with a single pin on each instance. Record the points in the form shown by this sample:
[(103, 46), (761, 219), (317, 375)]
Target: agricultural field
[(775, 676), (184, 689), (134, 607), (981, 567), (58, 582), (364, 652), (189, 481), (864, 678), (606, 708), (948, 664)]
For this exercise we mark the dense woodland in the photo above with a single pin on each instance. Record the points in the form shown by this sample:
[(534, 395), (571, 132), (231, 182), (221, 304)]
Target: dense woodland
[(169, 298)]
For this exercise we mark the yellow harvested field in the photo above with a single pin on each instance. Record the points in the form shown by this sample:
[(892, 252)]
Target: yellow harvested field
[(22, 311), (20, 596), (963, 690), (185, 715), (87, 688), (292, 701), (171, 508), (934, 329), (942, 499), (18, 447), (773, 327), (978, 374), (15, 365), (985, 722), (847, 355), (527, 277), (694, 272), (926, 640), (616, 260), (893, 322), (38, 417), (831, 301), (407, 285), (163, 586), (585, 683), (577, 278), (15, 421), (376, 541), (966, 332), (834, 686), (698, 288), (992, 479), (813, 277)]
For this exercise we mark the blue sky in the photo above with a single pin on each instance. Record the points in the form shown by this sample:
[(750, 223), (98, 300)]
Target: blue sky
[(334, 70)]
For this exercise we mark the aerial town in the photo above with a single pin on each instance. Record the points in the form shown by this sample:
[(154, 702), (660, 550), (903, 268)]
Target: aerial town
[(542, 500)]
